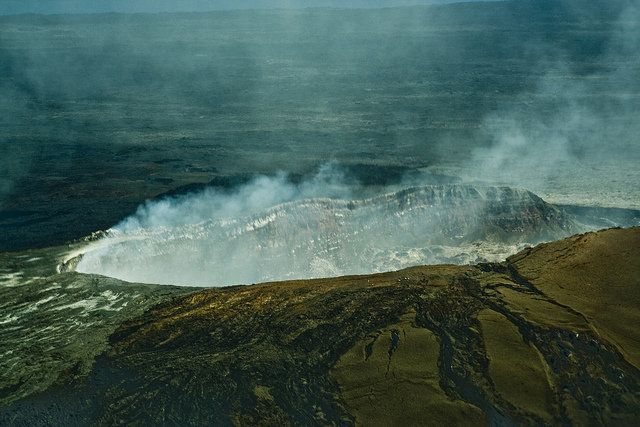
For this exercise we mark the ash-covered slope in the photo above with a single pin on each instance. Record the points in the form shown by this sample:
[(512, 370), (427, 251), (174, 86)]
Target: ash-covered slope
[(529, 341), (313, 238)]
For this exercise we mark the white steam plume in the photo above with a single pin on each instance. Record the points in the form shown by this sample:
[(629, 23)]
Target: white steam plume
[(271, 229), (573, 138)]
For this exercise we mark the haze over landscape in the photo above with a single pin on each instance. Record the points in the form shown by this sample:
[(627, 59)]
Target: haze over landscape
[(159, 6), (434, 168)]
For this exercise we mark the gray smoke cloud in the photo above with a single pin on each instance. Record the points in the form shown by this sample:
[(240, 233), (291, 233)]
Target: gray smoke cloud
[(258, 195), (212, 237), (100, 112), (573, 138), (272, 229), (157, 6)]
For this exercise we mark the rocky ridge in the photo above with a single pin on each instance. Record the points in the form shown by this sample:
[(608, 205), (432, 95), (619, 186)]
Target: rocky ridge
[(527, 341)]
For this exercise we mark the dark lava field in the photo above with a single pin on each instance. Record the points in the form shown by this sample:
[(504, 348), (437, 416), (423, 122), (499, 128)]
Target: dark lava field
[(548, 337), (421, 215), (100, 112)]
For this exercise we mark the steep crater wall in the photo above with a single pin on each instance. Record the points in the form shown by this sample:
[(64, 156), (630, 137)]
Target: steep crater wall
[(322, 237)]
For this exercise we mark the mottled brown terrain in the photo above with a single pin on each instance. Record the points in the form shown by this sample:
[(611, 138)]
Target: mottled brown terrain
[(546, 337)]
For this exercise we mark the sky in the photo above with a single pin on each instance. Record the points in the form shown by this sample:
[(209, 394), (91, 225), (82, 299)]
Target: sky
[(8, 7)]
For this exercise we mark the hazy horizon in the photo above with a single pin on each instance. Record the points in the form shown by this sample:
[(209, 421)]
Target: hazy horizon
[(103, 112), (15, 7)]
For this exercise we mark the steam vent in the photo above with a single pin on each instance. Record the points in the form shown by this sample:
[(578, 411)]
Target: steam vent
[(320, 213), (548, 336), (314, 238)]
